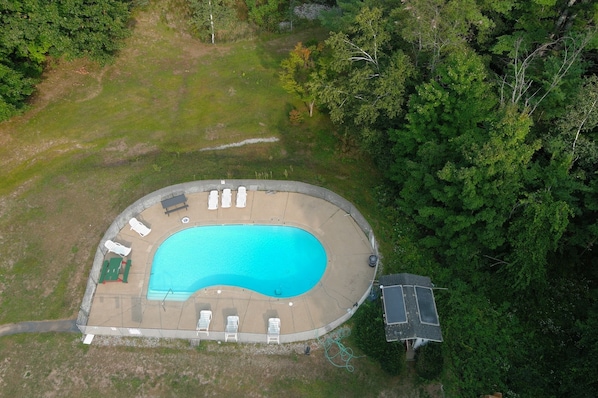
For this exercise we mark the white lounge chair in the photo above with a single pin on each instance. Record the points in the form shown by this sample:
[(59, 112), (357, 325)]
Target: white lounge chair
[(241, 197), (232, 327), (227, 198), (117, 248), (273, 330), (139, 227), (213, 200), (203, 324)]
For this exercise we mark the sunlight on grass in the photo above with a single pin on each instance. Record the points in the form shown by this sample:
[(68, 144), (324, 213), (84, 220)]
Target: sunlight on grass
[(219, 95)]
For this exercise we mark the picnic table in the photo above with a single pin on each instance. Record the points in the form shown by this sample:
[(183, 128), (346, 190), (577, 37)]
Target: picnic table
[(175, 203), (111, 270)]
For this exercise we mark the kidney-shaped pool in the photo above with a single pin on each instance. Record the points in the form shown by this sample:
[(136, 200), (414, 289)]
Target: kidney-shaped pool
[(277, 261)]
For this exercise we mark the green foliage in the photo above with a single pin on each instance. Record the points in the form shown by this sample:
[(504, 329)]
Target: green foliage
[(543, 68), (296, 71), (266, 13), (14, 90), (91, 28), (581, 373), (340, 18), (370, 337), (574, 130), (541, 212), (478, 338), (34, 29), (429, 361), (500, 178), (438, 27), (459, 174), (360, 82), (217, 17)]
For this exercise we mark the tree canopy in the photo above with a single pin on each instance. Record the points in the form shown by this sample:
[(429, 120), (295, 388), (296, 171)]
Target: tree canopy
[(32, 30), (484, 116)]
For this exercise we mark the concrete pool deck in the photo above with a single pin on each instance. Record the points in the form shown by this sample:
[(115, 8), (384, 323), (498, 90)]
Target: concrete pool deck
[(122, 308)]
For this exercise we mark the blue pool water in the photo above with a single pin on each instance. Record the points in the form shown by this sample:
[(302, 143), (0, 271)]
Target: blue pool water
[(276, 261)]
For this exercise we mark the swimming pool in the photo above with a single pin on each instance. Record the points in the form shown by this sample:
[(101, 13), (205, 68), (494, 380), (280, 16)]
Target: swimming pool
[(277, 261)]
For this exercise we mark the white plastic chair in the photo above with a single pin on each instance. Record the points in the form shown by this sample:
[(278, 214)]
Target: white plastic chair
[(232, 328), (203, 324), (117, 248), (241, 197), (273, 331), (139, 227), (227, 198), (213, 200)]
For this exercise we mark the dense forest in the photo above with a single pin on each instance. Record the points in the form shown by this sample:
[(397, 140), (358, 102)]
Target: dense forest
[(482, 116)]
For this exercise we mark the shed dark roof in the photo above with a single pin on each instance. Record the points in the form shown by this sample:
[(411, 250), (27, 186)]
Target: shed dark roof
[(409, 308)]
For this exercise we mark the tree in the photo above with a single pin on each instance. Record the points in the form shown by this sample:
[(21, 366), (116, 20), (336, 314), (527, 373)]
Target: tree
[(266, 13), (522, 85), (479, 338), (528, 260), (14, 90), (436, 27), (27, 35), (454, 163), (33, 29), (341, 17), (92, 28), (359, 82), (212, 17), (584, 366), (581, 117), (573, 151), (296, 71)]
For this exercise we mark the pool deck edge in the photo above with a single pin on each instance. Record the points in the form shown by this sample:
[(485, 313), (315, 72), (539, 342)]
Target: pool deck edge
[(121, 309)]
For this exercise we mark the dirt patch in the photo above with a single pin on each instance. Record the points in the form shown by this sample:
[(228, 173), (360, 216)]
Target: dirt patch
[(119, 152), (93, 90), (33, 152), (59, 79)]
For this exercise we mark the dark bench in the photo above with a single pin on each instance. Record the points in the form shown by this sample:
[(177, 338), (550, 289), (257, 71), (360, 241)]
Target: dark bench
[(103, 271), (175, 203)]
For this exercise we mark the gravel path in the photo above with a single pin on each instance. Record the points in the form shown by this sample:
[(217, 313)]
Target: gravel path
[(62, 325)]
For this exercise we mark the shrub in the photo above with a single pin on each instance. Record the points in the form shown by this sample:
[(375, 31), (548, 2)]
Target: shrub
[(295, 117), (370, 337), (429, 363)]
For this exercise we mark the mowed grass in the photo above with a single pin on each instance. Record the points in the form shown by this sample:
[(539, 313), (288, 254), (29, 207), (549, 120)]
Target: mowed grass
[(96, 139)]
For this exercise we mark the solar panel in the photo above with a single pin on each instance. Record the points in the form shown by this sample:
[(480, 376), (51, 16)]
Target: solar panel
[(394, 305), (426, 305)]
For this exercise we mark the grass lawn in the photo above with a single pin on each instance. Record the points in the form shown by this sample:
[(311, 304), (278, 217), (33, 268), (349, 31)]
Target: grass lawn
[(98, 138)]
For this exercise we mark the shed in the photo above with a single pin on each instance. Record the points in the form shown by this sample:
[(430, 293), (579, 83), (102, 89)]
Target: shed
[(410, 313)]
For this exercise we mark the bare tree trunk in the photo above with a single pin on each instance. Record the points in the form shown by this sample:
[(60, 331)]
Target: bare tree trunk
[(211, 20), (581, 126), (519, 84)]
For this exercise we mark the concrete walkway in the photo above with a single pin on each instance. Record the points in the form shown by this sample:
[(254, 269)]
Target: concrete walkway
[(60, 325)]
